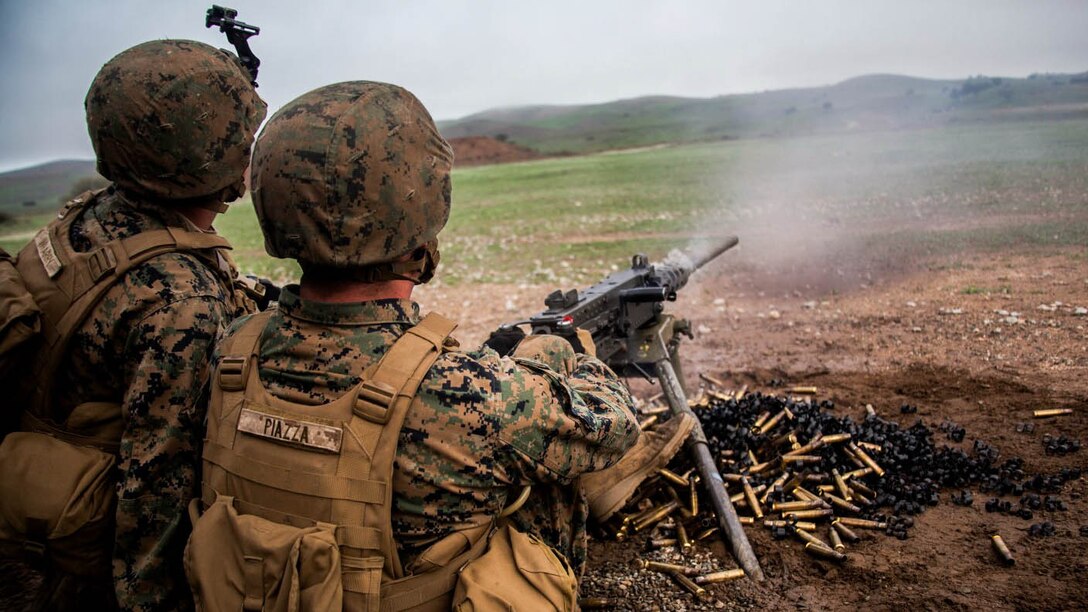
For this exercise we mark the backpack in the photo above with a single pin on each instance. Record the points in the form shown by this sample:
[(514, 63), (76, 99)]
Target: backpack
[(57, 486)]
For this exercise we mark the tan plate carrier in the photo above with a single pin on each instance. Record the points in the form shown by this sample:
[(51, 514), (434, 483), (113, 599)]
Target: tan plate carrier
[(62, 509), (328, 466)]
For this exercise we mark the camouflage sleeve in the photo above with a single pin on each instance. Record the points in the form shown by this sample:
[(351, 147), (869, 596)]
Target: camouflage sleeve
[(562, 414), (167, 357)]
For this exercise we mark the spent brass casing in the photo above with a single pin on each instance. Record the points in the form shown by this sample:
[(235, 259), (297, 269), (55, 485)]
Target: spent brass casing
[(869, 446), (869, 411), (862, 500), (662, 542), (866, 459), (859, 487), (804, 525), (682, 538), (716, 577), (750, 495), (659, 566), (804, 390), (1052, 412), (836, 438), (696, 590), (824, 552), (791, 459), (709, 531), (854, 459), (693, 493), (839, 502), (771, 422), (858, 473), (714, 381), (648, 422), (840, 484), (794, 482), (847, 533), (721, 397), (672, 477), (864, 523), (740, 392), (656, 411), (752, 459), (787, 438), (794, 505), (826, 488), (1002, 550), (803, 514), (812, 445), (808, 537), (658, 514), (809, 495), (747, 520), (759, 468), (761, 419), (732, 477), (836, 541)]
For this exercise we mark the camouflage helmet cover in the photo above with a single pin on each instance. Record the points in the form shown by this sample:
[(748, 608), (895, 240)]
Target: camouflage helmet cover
[(174, 119), (351, 175)]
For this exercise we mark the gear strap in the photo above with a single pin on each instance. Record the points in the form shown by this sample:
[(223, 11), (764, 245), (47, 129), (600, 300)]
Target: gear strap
[(68, 284)]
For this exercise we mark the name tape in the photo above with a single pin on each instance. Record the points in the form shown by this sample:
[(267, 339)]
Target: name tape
[(290, 431)]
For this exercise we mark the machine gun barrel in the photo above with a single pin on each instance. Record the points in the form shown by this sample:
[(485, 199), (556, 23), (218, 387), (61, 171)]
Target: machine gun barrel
[(702, 257)]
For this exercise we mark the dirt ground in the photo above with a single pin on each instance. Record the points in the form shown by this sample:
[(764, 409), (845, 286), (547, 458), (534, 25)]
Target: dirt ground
[(479, 150), (980, 340)]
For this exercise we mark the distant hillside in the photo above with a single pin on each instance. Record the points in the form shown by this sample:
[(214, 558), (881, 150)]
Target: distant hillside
[(43, 185), (481, 150), (875, 102)]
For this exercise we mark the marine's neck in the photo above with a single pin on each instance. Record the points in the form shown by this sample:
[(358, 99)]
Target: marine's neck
[(346, 291), (201, 217)]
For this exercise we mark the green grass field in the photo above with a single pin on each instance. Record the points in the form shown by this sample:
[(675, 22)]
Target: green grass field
[(568, 220)]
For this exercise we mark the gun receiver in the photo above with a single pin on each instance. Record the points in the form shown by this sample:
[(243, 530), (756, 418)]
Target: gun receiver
[(238, 34), (625, 315), (625, 302)]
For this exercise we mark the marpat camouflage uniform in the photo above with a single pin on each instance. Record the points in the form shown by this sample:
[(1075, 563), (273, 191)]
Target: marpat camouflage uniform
[(487, 426), (147, 347)]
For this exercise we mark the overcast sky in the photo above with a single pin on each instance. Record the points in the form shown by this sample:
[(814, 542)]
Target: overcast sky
[(464, 56)]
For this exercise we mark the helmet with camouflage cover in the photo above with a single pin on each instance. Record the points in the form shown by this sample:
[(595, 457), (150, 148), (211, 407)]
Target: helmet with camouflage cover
[(353, 181), (174, 120)]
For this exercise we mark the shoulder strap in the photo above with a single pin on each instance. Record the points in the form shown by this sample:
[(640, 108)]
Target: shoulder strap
[(383, 398)]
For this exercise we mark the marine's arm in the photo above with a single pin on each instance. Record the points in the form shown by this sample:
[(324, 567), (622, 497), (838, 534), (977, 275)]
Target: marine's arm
[(167, 356), (564, 414)]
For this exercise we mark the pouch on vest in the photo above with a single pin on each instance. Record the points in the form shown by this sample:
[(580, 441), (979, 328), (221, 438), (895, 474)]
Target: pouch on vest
[(244, 562), (57, 500), (518, 572), (20, 319)]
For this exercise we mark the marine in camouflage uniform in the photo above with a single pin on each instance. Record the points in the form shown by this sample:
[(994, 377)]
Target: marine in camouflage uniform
[(172, 123), (352, 180)]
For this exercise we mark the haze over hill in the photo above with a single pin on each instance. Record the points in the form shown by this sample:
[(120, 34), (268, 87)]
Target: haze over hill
[(866, 103), (874, 102)]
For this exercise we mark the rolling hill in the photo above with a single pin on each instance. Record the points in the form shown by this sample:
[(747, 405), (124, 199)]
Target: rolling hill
[(41, 187), (874, 102)]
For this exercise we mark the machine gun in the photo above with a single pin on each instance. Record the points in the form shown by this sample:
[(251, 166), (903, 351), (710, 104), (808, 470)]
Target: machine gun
[(238, 34), (625, 315)]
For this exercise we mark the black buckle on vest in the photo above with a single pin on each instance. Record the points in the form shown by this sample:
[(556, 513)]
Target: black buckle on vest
[(232, 373), (373, 401), (101, 263)]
